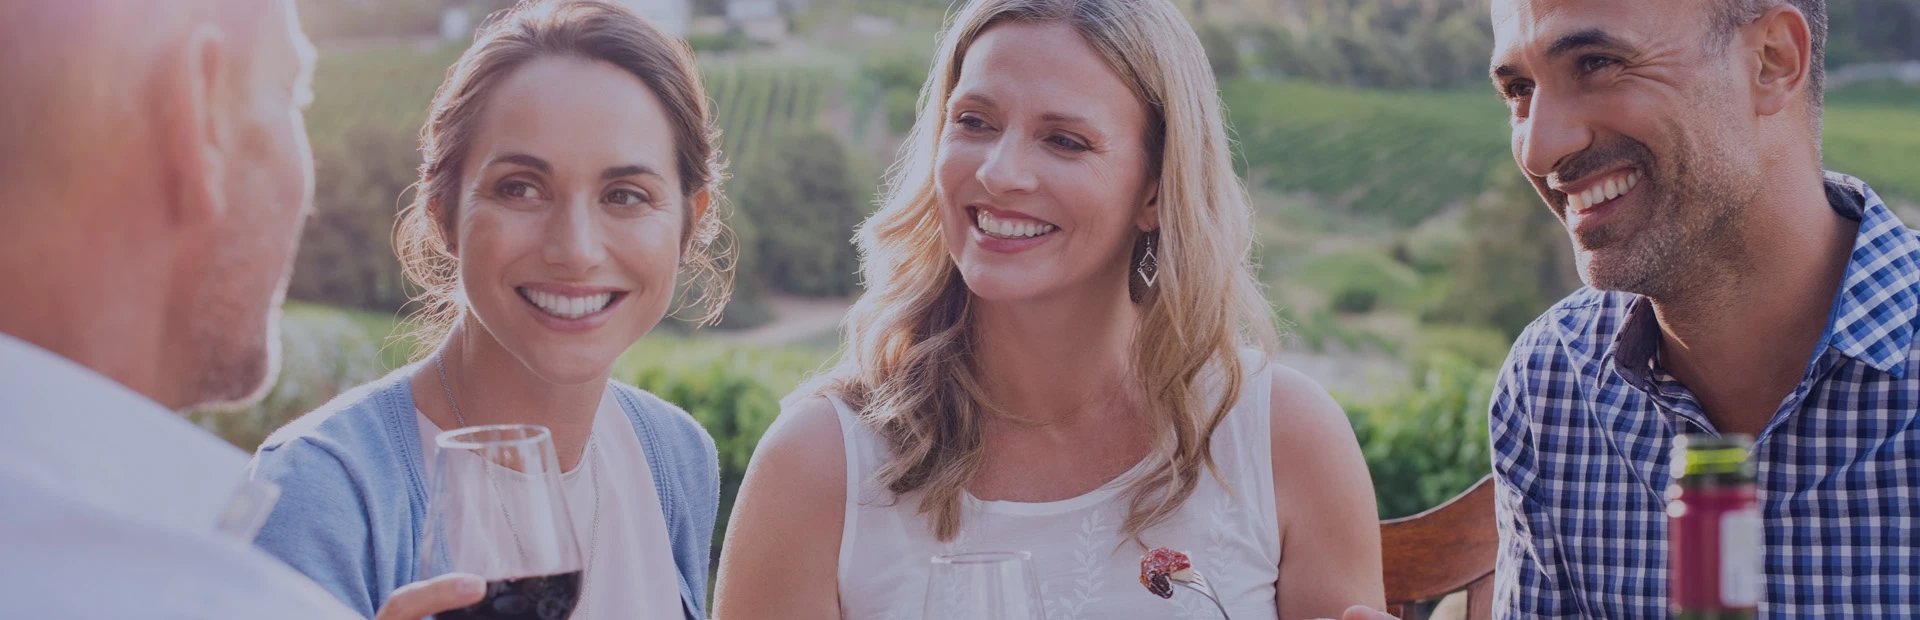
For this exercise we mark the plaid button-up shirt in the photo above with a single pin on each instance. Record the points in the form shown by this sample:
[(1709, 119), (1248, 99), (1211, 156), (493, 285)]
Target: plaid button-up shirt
[(1583, 418)]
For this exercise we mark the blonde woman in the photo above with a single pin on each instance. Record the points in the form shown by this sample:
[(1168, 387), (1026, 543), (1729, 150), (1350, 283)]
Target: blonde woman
[(1059, 352)]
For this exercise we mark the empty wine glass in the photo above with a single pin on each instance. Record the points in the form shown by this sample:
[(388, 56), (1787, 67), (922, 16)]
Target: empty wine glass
[(996, 585), (498, 511)]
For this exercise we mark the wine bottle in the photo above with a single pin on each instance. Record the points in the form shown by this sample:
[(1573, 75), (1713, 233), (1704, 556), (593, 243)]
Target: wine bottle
[(1714, 534)]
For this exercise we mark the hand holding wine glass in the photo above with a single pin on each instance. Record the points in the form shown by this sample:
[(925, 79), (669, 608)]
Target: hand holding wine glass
[(417, 600)]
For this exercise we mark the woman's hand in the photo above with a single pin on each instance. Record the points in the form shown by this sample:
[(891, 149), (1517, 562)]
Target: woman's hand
[(1363, 612), (420, 599)]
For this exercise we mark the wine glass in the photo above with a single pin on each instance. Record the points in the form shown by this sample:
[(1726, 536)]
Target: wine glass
[(498, 511), (996, 585)]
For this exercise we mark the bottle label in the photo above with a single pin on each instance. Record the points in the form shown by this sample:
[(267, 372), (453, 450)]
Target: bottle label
[(1714, 550), (1741, 574)]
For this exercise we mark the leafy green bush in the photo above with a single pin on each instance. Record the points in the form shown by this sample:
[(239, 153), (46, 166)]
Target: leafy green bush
[(1517, 263), (1223, 54), (1382, 45), (901, 105), (369, 103), (803, 193), (1353, 300), (1358, 279), (323, 352), (734, 406), (896, 77), (1872, 30), (1479, 346), (1427, 444)]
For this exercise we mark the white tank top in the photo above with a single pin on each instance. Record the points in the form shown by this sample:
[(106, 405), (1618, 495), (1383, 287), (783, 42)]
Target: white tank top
[(632, 575), (1087, 570)]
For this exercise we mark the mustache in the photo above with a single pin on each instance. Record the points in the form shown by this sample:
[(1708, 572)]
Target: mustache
[(1601, 157)]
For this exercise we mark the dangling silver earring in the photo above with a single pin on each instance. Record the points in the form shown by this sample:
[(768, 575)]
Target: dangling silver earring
[(1149, 267)]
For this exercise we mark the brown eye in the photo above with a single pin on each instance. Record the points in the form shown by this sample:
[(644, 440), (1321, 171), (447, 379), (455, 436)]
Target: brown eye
[(1591, 64), (1519, 90), (518, 189), (625, 197)]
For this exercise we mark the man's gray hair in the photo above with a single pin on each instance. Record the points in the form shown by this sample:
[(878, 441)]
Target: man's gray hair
[(1736, 14)]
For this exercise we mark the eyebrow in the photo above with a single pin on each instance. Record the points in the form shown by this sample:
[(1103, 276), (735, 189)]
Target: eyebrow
[(1063, 118), (976, 98), (628, 171), (1589, 38), (523, 159), (1567, 44)]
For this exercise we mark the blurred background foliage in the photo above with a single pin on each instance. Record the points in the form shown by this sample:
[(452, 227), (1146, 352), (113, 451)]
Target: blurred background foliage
[(1398, 243)]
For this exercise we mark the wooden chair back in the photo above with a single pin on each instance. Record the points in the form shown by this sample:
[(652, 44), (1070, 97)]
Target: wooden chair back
[(1447, 549)]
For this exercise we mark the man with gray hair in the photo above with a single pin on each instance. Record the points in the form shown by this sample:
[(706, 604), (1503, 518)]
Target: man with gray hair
[(157, 173), (1733, 288)]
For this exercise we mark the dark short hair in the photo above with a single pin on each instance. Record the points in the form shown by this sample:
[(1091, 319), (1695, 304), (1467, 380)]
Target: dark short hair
[(1735, 14)]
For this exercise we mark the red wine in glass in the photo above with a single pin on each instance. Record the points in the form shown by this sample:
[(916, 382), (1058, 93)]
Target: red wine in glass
[(547, 597)]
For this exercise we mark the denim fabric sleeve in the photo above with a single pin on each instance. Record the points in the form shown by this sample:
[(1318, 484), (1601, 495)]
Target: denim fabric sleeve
[(704, 496), (1527, 583), (698, 465), (320, 525)]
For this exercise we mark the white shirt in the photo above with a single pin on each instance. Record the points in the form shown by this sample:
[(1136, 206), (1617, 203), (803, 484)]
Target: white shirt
[(113, 506), (1086, 569), (630, 574)]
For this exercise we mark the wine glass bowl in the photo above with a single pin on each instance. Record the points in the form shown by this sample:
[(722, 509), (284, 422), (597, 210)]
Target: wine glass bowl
[(995, 585), (498, 511)]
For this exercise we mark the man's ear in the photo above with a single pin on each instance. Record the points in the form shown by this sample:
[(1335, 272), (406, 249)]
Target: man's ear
[(1149, 218), (193, 112), (1782, 45)]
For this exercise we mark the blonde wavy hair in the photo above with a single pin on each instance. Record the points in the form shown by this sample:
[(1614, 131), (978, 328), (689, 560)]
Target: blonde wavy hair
[(607, 32), (909, 366)]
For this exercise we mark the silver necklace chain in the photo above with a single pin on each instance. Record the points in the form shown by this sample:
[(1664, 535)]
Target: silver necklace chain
[(440, 363)]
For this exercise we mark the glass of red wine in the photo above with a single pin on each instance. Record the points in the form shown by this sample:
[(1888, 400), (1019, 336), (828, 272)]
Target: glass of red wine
[(994, 585), (498, 511)]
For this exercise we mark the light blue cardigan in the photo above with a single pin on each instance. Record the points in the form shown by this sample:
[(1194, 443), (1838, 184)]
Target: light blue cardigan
[(354, 496)]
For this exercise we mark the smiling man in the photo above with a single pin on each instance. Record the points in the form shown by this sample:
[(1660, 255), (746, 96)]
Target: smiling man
[(1733, 287)]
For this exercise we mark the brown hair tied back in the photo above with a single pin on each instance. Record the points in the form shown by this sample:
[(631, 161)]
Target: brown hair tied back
[(610, 33)]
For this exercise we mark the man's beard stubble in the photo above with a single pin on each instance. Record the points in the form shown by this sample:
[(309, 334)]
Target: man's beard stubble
[(1687, 206)]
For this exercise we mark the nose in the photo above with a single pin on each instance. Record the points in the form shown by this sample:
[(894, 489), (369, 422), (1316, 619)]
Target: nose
[(572, 238), (1555, 129), (1004, 170)]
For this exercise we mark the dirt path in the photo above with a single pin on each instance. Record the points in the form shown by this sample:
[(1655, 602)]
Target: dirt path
[(797, 319), (794, 319)]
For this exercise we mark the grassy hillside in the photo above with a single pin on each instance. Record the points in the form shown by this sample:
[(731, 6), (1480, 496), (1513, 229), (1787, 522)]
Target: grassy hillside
[(1406, 155), (1878, 142), (1400, 154)]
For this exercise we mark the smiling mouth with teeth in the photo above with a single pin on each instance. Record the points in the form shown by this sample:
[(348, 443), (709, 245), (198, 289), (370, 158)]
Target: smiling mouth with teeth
[(1009, 228), (566, 307), (1609, 188)]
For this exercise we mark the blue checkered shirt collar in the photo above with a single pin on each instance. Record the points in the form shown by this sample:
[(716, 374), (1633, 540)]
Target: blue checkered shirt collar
[(1872, 320)]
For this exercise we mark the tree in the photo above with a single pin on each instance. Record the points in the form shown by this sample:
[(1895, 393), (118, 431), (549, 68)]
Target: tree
[(801, 200), (1516, 263)]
